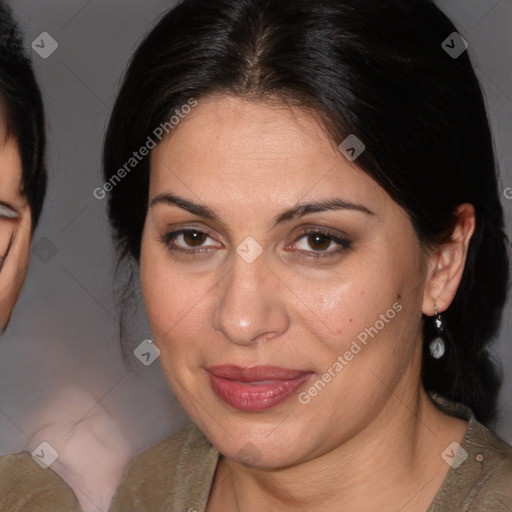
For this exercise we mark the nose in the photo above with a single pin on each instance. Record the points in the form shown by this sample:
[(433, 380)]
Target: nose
[(250, 306)]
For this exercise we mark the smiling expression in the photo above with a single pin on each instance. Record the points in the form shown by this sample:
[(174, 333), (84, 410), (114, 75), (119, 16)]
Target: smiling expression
[(265, 253), (15, 227)]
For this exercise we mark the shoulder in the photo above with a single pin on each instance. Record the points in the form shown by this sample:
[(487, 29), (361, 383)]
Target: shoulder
[(493, 490), (27, 487), (480, 478), (163, 473), (166, 456)]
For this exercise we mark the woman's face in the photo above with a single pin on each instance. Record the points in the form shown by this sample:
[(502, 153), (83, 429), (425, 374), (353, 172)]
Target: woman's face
[(284, 287), (15, 228)]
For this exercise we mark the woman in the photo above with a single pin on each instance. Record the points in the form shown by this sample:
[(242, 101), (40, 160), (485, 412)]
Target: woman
[(311, 193), (24, 485)]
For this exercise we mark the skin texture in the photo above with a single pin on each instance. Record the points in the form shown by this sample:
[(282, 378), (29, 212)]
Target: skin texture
[(15, 233), (371, 439)]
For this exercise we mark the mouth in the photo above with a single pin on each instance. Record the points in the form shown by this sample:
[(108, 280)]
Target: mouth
[(257, 388)]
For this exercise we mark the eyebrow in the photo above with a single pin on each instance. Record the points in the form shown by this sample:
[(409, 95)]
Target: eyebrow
[(296, 212), (321, 206), (197, 209)]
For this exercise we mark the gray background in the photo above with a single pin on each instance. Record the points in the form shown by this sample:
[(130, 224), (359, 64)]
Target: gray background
[(60, 359)]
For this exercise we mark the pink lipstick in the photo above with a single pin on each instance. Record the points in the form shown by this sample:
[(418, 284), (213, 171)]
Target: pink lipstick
[(256, 388)]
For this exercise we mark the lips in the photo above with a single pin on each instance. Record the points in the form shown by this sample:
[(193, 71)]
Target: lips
[(257, 388)]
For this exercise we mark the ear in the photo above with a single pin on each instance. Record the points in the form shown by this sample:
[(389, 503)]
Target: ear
[(446, 264)]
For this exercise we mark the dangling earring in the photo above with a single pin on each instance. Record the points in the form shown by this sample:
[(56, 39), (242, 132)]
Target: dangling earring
[(437, 346)]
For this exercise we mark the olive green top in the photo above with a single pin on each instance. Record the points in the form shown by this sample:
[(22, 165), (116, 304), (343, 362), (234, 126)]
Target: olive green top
[(177, 473), (27, 487)]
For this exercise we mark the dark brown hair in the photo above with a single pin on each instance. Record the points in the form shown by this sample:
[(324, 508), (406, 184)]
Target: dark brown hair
[(372, 68), (22, 112)]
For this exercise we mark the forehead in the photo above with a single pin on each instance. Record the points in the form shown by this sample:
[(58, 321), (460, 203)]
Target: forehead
[(243, 126), (236, 149)]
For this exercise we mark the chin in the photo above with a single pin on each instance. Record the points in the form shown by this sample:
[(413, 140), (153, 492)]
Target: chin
[(253, 443)]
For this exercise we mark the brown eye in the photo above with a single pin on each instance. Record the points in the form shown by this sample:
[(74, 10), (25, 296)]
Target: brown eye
[(194, 238), (190, 241), (319, 242)]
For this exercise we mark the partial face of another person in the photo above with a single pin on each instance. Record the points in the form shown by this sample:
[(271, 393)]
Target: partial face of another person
[(15, 227), (270, 262)]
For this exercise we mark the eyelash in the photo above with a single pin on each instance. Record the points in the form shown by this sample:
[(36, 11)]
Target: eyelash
[(6, 212), (343, 243), (169, 237)]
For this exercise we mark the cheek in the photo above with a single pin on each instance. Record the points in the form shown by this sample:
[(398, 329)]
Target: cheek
[(371, 299), (175, 304), (339, 308), (13, 273), (358, 302)]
